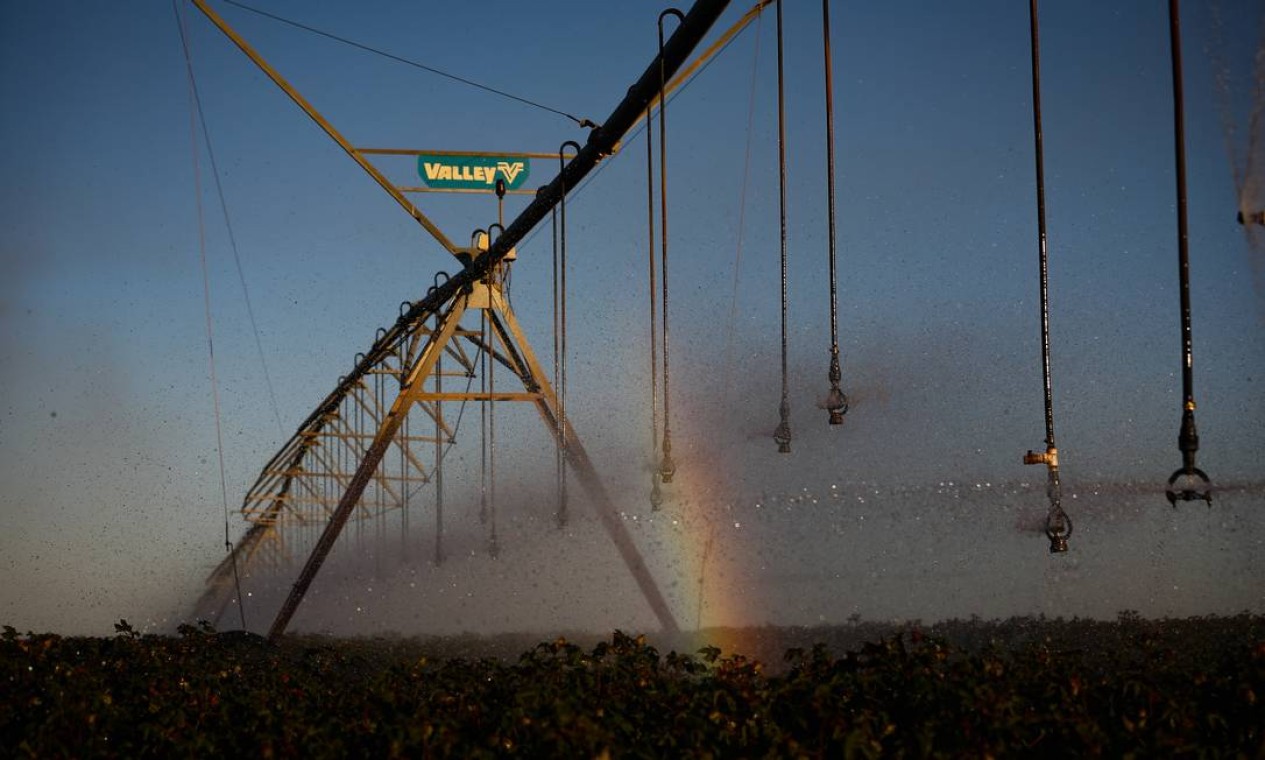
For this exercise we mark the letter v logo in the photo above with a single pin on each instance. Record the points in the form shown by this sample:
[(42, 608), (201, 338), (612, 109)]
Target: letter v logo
[(510, 170)]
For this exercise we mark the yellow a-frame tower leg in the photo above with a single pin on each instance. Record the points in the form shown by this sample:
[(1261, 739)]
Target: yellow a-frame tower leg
[(485, 295)]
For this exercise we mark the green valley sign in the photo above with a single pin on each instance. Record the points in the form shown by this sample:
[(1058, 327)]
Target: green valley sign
[(472, 172)]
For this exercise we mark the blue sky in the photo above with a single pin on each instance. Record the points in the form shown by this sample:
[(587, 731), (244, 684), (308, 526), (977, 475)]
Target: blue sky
[(110, 505)]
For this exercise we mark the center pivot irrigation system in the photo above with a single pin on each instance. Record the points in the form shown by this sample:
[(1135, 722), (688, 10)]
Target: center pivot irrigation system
[(359, 450), (383, 432)]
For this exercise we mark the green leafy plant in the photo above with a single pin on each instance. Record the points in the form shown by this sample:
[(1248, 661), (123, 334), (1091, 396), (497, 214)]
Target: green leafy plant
[(1020, 687)]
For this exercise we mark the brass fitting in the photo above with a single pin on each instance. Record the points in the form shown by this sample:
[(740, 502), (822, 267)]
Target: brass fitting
[(1252, 217), (1049, 457), (667, 467)]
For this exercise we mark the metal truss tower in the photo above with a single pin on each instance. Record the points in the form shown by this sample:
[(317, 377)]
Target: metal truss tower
[(376, 438)]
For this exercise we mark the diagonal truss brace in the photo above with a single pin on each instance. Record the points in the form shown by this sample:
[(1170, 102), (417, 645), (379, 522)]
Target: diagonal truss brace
[(522, 360), (356, 154)]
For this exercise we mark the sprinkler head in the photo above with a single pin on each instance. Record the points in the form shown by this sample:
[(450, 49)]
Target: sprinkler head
[(667, 468), (837, 405), (1189, 484), (1058, 528), (783, 437)]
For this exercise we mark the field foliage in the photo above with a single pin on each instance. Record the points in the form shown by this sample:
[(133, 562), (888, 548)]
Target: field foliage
[(1019, 688)]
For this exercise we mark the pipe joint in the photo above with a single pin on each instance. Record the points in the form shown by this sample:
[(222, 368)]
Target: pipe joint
[(1049, 457), (1252, 217)]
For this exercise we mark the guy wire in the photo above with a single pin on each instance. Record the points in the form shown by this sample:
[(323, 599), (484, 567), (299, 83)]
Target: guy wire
[(206, 305)]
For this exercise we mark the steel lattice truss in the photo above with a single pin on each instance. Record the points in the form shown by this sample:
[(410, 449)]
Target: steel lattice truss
[(380, 434), (298, 489), (302, 483)]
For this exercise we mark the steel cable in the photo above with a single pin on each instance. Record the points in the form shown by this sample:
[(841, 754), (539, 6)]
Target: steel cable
[(742, 220), (232, 241), (194, 110), (391, 56)]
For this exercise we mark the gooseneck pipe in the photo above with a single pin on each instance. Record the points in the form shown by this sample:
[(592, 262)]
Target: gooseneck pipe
[(667, 467), (1058, 526), (836, 401), (1188, 482), (656, 495), (782, 435)]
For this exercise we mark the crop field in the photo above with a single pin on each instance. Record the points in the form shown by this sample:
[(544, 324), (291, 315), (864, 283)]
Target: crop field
[(1027, 687)]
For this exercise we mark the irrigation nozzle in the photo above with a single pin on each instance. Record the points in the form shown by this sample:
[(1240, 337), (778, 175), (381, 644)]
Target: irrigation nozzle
[(656, 495), (667, 467), (782, 435), (1058, 526), (836, 401), (783, 438), (1188, 483), (837, 405)]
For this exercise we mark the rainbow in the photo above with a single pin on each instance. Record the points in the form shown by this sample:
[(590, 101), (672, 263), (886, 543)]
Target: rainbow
[(709, 548)]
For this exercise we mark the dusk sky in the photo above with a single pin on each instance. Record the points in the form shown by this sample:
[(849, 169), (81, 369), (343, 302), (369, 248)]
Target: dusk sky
[(918, 506)]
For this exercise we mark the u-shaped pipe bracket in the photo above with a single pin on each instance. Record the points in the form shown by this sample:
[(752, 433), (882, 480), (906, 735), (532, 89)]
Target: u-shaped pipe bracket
[(1188, 483), (1195, 485)]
